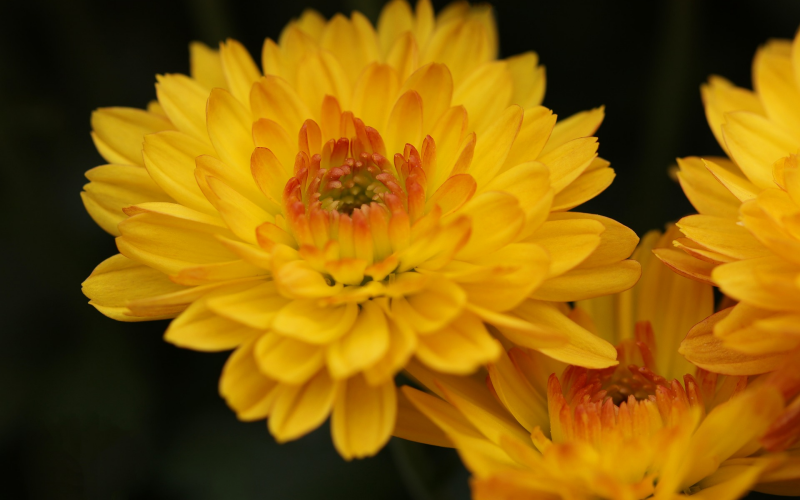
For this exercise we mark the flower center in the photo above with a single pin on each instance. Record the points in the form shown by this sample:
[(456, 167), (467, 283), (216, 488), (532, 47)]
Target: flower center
[(624, 401)]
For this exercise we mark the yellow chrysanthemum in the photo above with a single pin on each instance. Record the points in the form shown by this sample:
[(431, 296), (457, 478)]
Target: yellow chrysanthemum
[(375, 196), (746, 238), (623, 433)]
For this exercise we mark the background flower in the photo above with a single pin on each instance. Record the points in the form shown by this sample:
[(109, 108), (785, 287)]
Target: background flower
[(632, 431), (745, 239), (97, 406)]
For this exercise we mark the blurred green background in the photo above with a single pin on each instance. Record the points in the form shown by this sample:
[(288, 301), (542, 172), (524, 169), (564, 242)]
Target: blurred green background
[(92, 408)]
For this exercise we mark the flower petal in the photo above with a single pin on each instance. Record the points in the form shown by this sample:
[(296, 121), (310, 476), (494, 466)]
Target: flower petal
[(365, 344), (363, 417), (115, 187), (299, 409), (459, 348), (709, 352), (306, 321), (118, 133), (246, 390)]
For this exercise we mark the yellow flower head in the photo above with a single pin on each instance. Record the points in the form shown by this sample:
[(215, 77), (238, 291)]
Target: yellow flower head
[(652, 427), (373, 197), (746, 238)]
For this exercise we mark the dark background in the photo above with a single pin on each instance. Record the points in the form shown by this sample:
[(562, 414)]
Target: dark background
[(92, 408)]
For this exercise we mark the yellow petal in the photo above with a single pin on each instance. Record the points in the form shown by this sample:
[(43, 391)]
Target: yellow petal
[(489, 417), (354, 42), (686, 265), (269, 134), (720, 97), (452, 194), (239, 69), (395, 19), (174, 302), (529, 80), (288, 360), (537, 124), (569, 242), (584, 283), (519, 331), (728, 428), (405, 123), (319, 74), (404, 55), (462, 44), (513, 273), (249, 393), (203, 274), (363, 417), (774, 81), (115, 187), (402, 344), (443, 414), (199, 328), (255, 307), (569, 160), (170, 243), (413, 425), (768, 219), (484, 107), (755, 143), (757, 331), (722, 235), (706, 195), (765, 282), (530, 183), (584, 348), (119, 280), (304, 320), (206, 66), (118, 133), (494, 145), (448, 133), (184, 102), (583, 124), (298, 280), (434, 84), (672, 304), (459, 348), (375, 91), (240, 214), (594, 180), (518, 396), (485, 210), (299, 409), (707, 351), (170, 160), (365, 343), (732, 482), (229, 127), (433, 307), (239, 180)]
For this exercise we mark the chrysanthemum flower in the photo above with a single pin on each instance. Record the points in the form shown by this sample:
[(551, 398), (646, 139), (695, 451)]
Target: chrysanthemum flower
[(653, 427), (746, 238), (375, 196)]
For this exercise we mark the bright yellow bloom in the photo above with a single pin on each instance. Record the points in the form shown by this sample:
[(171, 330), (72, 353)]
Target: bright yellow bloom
[(375, 196), (624, 433), (746, 239)]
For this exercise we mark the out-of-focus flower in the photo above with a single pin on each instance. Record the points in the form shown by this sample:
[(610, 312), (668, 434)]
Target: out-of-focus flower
[(375, 196), (746, 239), (626, 432)]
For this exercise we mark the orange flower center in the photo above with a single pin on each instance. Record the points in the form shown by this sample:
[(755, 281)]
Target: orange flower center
[(627, 400)]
